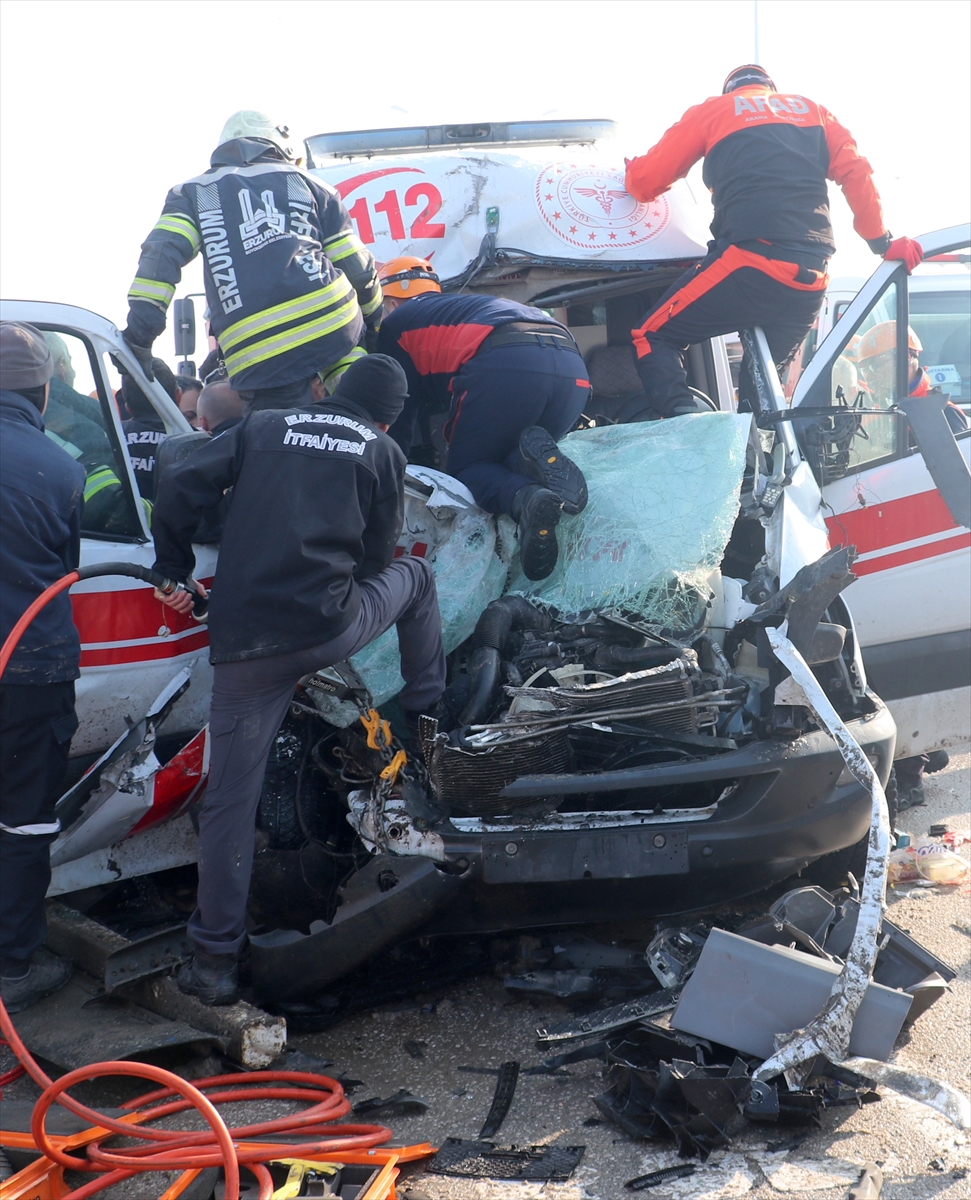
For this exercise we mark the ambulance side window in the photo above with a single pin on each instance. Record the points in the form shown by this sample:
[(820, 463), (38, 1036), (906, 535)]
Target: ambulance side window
[(865, 376), (76, 420)]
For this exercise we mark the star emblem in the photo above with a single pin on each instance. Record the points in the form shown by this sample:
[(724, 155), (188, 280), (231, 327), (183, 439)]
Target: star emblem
[(592, 236), (556, 216), (549, 195), (573, 229), (613, 237), (632, 232)]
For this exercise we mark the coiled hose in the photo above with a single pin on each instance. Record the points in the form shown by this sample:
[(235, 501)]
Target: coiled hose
[(172, 1149)]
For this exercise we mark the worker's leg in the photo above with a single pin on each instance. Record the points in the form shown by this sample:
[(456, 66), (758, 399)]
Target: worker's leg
[(731, 290), (498, 394), (37, 723), (249, 702)]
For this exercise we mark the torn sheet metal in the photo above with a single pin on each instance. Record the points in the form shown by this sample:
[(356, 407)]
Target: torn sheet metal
[(829, 1033), (607, 1019), (935, 1093)]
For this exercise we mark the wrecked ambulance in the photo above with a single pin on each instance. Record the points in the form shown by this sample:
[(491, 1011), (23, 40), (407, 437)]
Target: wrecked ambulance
[(626, 741)]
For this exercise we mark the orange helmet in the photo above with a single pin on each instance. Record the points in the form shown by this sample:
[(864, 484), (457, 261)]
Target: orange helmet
[(408, 276), (883, 338)]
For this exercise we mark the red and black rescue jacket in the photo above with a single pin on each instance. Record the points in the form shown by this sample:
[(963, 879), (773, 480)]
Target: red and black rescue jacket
[(767, 158), (434, 334)]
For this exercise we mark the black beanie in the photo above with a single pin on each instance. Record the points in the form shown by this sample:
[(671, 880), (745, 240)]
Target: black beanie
[(377, 383)]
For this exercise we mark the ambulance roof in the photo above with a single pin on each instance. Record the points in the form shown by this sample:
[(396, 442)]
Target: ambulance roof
[(551, 205)]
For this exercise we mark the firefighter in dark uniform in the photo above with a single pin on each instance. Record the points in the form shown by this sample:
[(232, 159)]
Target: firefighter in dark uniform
[(290, 287), (767, 157), (513, 383), (41, 491), (306, 577)]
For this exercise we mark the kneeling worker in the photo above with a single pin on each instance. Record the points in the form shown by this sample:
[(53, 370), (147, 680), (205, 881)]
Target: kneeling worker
[(306, 578), (513, 382)]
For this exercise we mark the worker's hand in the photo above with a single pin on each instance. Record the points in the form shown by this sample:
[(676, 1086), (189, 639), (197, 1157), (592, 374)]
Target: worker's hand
[(905, 250), (143, 355), (182, 601)]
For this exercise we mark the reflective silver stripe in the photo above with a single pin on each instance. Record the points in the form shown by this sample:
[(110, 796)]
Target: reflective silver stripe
[(373, 304), (268, 318), (174, 223), (289, 340), (31, 830), (152, 290), (343, 246)]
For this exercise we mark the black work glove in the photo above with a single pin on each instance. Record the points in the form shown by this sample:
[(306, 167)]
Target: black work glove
[(143, 356)]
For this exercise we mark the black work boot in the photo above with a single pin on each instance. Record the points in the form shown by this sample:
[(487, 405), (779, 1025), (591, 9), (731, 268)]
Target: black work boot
[(537, 511), (22, 985), (541, 460), (213, 978)]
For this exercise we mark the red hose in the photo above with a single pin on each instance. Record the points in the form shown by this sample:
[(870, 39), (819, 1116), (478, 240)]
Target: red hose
[(173, 1149)]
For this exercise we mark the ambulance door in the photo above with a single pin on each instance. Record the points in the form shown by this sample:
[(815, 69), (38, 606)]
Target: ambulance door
[(131, 645), (898, 489)]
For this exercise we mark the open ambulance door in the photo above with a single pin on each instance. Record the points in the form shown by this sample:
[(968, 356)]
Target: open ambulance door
[(895, 482)]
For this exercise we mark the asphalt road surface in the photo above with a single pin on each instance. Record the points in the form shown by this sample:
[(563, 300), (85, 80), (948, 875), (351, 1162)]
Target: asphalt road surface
[(480, 1025)]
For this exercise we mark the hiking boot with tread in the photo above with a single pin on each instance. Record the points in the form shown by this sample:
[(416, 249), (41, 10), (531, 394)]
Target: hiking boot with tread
[(538, 514), (542, 460)]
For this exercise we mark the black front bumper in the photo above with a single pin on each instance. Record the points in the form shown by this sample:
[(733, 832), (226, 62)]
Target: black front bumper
[(784, 810)]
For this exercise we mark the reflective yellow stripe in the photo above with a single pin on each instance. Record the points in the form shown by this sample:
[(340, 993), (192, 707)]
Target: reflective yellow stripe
[(147, 505), (331, 375), (372, 305), (289, 310), (98, 480), (173, 223), (152, 290), (343, 247), (289, 340)]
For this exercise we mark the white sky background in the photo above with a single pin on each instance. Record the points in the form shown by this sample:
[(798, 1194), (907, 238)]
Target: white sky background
[(105, 105)]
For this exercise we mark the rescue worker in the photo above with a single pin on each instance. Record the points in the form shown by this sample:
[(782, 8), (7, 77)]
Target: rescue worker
[(289, 284), (144, 429), (767, 157), (513, 382), (306, 577), (876, 358), (220, 407), (41, 490), (189, 389)]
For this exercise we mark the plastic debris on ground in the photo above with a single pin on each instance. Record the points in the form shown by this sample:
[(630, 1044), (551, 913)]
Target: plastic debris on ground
[(663, 500), (929, 860), (690, 1079), (465, 1158)]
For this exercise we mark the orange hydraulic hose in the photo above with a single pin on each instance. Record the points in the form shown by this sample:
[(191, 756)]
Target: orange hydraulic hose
[(18, 630), (168, 1149)]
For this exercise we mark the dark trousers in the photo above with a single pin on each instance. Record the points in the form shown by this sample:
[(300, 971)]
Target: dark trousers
[(731, 289), (499, 393), (249, 702), (37, 722)]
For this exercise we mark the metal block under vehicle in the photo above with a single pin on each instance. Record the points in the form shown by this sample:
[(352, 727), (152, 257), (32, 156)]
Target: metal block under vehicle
[(592, 854)]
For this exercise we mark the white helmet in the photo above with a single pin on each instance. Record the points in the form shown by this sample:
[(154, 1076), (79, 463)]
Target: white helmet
[(249, 123)]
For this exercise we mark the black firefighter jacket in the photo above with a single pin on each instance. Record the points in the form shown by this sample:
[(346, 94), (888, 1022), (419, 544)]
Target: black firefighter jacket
[(41, 490), (289, 283), (317, 505)]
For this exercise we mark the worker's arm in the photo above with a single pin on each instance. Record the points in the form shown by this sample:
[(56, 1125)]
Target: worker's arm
[(670, 160), (853, 173), (386, 515), (173, 242), (387, 343), (187, 490), (346, 251)]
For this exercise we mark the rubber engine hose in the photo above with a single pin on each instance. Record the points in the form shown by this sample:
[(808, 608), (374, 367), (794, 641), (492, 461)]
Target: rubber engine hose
[(491, 631)]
